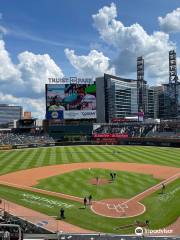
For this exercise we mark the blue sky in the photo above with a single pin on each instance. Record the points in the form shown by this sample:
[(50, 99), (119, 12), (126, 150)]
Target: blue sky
[(49, 26), (38, 27)]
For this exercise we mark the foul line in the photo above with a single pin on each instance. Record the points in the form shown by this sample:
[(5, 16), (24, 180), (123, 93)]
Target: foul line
[(156, 187)]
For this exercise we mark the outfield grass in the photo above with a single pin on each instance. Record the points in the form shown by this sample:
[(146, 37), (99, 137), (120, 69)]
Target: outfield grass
[(77, 183), (14, 160), (162, 210)]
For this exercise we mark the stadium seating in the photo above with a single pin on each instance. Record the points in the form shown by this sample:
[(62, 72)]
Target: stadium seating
[(137, 130), (26, 226), (131, 130), (15, 139)]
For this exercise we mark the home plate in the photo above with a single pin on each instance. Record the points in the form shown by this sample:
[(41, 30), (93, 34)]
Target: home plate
[(117, 208)]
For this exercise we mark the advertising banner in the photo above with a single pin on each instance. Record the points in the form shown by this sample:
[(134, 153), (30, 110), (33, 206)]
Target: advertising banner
[(71, 101), (110, 135), (88, 114)]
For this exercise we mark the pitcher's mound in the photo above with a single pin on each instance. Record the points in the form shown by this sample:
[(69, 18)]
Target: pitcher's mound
[(101, 181), (117, 208)]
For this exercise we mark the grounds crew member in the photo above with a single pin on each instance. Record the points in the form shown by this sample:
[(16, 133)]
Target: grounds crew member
[(90, 199), (163, 188), (85, 202), (62, 213)]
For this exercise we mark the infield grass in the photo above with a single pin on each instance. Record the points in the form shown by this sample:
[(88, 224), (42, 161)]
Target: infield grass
[(77, 183)]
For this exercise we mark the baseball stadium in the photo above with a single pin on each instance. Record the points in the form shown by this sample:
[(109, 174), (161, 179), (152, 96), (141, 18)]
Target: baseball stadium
[(88, 169), (35, 183)]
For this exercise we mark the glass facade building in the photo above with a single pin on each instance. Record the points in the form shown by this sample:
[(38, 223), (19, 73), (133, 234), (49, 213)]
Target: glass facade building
[(121, 98), (116, 98), (9, 113), (167, 103)]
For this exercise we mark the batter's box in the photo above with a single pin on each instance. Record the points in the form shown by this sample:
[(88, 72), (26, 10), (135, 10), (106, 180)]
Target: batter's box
[(117, 207)]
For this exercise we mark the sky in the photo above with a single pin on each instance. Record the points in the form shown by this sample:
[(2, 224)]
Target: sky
[(84, 38)]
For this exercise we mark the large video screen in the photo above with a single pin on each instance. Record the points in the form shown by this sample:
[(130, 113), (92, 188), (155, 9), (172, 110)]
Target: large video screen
[(71, 101)]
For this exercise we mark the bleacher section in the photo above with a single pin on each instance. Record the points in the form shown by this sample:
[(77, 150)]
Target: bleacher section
[(132, 130), (15, 139), (26, 226)]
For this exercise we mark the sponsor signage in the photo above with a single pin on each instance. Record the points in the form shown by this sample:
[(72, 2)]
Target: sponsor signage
[(131, 119), (110, 135), (106, 140), (71, 80), (71, 98), (80, 114)]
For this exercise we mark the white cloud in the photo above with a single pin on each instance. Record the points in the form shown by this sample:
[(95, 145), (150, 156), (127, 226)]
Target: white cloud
[(93, 65), (24, 83), (36, 69), (8, 71), (171, 22), (131, 42)]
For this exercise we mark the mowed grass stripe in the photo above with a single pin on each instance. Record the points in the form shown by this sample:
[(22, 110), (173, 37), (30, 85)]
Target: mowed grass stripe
[(142, 155), (75, 154), (70, 154), (139, 156), (82, 153), (105, 153), (65, 157), (53, 156), (95, 154), (161, 159), (77, 183), (8, 159), (28, 159), (163, 152), (58, 155), (34, 158), (14, 164), (22, 160), (41, 158), (92, 154), (7, 164)]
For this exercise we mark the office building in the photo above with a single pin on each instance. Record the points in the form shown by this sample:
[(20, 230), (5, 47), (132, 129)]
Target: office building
[(10, 113), (116, 98)]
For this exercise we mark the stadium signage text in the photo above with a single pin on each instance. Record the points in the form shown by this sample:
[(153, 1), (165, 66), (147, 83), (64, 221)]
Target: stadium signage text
[(88, 114), (71, 80), (110, 135), (116, 120)]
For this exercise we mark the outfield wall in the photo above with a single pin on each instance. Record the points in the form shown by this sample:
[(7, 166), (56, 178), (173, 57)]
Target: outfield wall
[(129, 141)]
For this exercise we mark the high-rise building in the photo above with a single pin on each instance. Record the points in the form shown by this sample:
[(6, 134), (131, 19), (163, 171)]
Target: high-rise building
[(153, 101), (116, 98), (168, 107), (9, 113)]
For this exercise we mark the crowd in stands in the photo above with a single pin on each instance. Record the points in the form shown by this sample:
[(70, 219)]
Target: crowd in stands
[(140, 130), (15, 139), (130, 130), (26, 226)]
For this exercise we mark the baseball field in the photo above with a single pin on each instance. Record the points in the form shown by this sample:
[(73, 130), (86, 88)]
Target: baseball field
[(46, 179)]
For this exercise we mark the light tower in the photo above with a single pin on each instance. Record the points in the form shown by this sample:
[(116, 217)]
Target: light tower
[(173, 82), (141, 86)]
